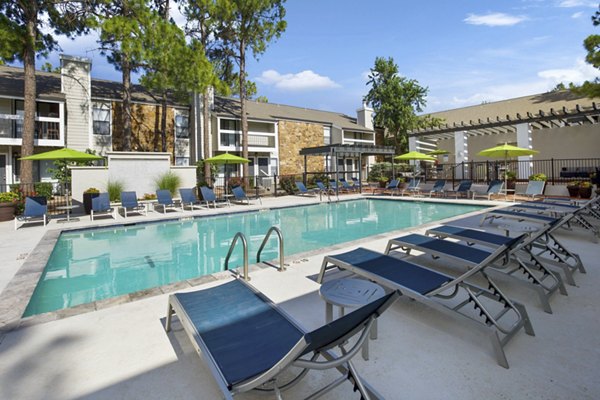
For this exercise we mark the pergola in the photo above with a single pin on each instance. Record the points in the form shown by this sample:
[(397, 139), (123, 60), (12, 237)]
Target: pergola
[(346, 150)]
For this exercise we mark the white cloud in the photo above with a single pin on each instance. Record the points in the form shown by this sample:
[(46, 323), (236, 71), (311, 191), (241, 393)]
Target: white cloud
[(303, 80), (494, 19), (577, 15), (576, 3), (579, 73)]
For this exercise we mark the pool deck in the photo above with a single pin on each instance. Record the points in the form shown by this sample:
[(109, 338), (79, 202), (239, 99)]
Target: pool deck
[(121, 351)]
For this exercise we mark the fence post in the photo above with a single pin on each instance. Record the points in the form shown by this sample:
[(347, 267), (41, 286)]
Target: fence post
[(552, 169), (275, 184)]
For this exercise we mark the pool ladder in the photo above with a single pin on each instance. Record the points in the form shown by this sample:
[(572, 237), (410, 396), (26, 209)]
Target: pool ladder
[(240, 236)]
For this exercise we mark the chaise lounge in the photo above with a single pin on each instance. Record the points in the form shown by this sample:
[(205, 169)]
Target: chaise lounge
[(248, 342)]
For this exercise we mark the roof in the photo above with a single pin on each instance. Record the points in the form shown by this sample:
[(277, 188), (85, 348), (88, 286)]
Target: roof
[(230, 107), (545, 110), (48, 86), (348, 150)]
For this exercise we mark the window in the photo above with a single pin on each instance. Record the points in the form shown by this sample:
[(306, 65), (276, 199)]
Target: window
[(327, 135), (101, 118), (230, 125), (182, 124)]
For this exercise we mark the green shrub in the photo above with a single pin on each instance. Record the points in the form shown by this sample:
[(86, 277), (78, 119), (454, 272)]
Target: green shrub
[(9, 197), (91, 190), (43, 189), (538, 177), (168, 181), (288, 183), (114, 189)]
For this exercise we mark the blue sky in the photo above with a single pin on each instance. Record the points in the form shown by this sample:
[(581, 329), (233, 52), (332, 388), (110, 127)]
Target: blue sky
[(466, 52)]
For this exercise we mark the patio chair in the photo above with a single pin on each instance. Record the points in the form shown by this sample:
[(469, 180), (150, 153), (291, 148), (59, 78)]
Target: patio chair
[(535, 189), (165, 200), (208, 196), (502, 259), (323, 188), (486, 309), (129, 204), (240, 196), (412, 187), (303, 191), (346, 186), (36, 210), (333, 185), (463, 189), (189, 198), (248, 341), (494, 188), (356, 182), (101, 206), (393, 187), (438, 187)]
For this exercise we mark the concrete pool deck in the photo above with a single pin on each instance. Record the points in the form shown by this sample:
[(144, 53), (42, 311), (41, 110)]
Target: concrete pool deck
[(122, 351)]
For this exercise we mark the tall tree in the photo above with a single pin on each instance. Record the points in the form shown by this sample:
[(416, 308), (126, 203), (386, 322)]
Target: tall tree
[(396, 101), (248, 26), (592, 46), (121, 39), (22, 26)]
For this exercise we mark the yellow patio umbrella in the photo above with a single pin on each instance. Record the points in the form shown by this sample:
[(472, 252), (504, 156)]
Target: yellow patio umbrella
[(437, 152), (504, 151), (414, 155), (224, 159)]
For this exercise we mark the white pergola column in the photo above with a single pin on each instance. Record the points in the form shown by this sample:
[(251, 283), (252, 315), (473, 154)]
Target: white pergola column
[(412, 146), (524, 141), (461, 152)]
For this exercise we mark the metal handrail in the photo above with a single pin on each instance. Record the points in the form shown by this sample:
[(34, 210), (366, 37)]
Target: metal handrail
[(237, 236), (264, 242)]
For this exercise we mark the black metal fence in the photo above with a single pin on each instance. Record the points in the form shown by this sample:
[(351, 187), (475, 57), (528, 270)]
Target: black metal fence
[(56, 194)]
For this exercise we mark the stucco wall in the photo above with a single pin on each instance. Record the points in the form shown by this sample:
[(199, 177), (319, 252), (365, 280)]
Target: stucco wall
[(137, 171), (569, 142), (294, 136)]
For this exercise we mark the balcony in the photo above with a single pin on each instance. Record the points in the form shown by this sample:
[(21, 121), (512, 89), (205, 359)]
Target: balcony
[(232, 141), (48, 130)]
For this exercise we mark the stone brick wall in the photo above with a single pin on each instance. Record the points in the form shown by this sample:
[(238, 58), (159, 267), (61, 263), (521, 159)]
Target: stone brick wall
[(293, 137), (145, 128)]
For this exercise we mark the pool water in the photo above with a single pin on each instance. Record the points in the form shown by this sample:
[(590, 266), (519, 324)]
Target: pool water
[(91, 265)]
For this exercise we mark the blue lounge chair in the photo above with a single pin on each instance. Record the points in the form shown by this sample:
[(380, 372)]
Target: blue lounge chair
[(189, 198), (494, 188), (540, 249), (101, 206), (247, 340), (487, 309), (333, 185), (323, 188), (165, 200), (347, 187), (129, 204), (463, 189), (535, 189), (36, 210), (412, 187), (303, 191), (240, 196), (501, 258), (208, 196), (393, 187), (438, 187)]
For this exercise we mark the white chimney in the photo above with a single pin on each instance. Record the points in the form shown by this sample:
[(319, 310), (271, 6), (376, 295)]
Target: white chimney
[(76, 84), (364, 116)]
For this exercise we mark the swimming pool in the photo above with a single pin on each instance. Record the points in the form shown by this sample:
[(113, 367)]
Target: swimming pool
[(91, 265)]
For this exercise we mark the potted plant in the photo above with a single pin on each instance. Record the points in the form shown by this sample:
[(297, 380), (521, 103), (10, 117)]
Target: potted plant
[(573, 188), (382, 180), (585, 190), (511, 179), (8, 205), (88, 195), (538, 177)]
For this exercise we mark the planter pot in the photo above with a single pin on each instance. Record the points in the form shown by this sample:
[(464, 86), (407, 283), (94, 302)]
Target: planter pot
[(511, 185), (585, 193), (573, 191), (7, 211), (382, 184), (87, 201)]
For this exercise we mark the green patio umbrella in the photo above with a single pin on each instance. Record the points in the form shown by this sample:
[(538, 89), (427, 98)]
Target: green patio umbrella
[(226, 158), (437, 152), (415, 155), (65, 154), (504, 151)]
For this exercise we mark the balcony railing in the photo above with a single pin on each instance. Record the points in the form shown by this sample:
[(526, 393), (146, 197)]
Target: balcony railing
[(254, 140), (46, 128)]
